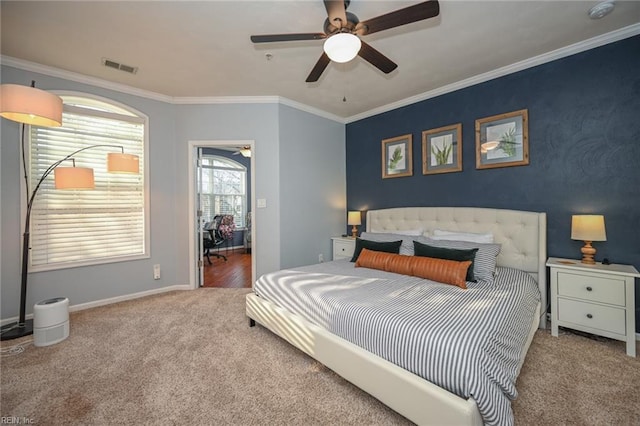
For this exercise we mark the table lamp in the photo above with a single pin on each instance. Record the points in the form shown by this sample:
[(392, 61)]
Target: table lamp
[(354, 218), (588, 228)]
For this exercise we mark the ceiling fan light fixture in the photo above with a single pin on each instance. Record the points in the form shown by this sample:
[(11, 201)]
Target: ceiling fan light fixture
[(342, 47)]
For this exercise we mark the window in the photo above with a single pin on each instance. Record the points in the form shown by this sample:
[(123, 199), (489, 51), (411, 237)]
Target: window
[(223, 189), (108, 224)]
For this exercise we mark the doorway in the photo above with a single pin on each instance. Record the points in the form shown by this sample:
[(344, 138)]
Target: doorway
[(221, 213)]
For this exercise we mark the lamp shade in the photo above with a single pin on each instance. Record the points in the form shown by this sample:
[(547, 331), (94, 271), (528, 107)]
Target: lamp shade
[(246, 152), (354, 218), (122, 163), (74, 178), (342, 47), (589, 227), (29, 105)]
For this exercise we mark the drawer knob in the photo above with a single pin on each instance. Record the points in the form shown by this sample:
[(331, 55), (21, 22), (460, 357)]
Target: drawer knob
[(589, 289), (589, 316)]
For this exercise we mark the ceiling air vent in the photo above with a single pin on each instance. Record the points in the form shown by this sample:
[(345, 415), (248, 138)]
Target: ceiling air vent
[(118, 66)]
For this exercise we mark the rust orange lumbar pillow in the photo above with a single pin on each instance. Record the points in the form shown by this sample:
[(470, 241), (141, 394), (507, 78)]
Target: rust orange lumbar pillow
[(440, 270)]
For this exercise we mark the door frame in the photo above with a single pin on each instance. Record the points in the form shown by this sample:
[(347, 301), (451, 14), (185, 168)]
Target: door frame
[(192, 170)]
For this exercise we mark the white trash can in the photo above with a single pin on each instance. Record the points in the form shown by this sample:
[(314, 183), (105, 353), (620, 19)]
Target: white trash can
[(50, 321)]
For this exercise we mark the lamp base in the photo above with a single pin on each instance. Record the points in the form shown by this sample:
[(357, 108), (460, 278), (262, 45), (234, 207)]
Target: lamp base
[(587, 253), (13, 331), (354, 232)]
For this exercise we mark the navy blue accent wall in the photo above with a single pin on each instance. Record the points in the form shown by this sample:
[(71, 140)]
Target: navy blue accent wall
[(584, 147), (238, 236)]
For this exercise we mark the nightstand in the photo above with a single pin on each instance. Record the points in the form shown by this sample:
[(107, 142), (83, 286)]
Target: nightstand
[(343, 247), (597, 299)]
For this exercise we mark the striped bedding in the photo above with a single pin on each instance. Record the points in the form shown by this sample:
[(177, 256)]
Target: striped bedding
[(468, 342)]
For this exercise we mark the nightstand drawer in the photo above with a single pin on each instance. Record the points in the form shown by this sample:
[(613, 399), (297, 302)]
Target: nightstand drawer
[(593, 316), (342, 249), (590, 287)]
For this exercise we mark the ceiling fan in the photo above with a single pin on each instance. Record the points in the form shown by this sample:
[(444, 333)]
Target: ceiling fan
[(342, 31)]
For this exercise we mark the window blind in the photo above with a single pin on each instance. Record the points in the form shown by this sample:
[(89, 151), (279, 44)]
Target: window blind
[(70, 227), (223, 189)]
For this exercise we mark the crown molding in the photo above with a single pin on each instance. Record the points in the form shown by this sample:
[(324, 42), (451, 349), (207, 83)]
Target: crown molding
[(194, 100), (257, 100), (81, 78), (209, 100), (563, 52), (312, 110)]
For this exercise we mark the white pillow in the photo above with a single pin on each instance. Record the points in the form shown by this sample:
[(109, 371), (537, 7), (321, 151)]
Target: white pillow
[(440, 234), (410, 232)]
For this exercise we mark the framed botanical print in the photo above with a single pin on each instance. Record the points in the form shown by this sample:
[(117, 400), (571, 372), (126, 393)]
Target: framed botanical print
[(502, 140), (442, 150), (397, 160)]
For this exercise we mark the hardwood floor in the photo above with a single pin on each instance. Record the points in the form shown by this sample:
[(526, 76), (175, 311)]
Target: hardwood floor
[(234, 273)]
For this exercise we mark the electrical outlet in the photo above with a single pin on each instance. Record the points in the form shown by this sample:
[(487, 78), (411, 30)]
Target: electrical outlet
[(156, 272), (320, 258)]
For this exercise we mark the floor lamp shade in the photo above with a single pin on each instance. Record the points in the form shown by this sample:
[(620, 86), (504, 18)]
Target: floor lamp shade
[(122, 163), (74, 178), (30, 105)]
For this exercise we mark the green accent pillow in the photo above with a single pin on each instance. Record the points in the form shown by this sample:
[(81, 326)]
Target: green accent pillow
[(387, 247), (422, 249)]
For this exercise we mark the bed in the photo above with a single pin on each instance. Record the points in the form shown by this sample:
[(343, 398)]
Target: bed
[(522, 239)]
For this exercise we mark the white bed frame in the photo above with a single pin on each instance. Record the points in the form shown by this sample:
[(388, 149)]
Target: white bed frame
[(523, 238)]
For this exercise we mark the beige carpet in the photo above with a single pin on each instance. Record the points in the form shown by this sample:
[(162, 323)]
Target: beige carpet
[(189, 358)]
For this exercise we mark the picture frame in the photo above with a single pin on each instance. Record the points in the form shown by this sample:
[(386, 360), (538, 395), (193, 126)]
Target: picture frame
[(502, 140), (397, 159), (442, 150)]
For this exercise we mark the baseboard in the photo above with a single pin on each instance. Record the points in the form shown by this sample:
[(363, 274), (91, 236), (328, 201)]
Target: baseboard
[(111, 300), (223, 248), (126, 297)]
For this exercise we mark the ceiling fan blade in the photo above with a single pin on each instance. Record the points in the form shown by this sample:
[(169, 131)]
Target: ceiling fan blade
[(270, 38), (336, 12), (376, 58), (319, 68), (418, 12)]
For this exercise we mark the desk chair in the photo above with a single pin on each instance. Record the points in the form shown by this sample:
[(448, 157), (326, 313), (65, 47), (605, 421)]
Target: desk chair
[(213, 238)]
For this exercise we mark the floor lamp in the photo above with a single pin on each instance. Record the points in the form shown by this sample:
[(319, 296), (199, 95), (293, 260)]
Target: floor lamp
[(28, 105)]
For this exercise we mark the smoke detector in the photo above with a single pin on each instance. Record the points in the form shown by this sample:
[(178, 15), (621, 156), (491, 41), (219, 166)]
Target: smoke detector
[(602, 9)]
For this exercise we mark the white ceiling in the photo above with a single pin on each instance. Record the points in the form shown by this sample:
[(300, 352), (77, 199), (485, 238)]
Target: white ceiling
[(187, 49)]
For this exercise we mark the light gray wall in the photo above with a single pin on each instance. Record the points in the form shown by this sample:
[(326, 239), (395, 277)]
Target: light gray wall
[(311, 168), (87, 284), (312, 186), (257, 122)]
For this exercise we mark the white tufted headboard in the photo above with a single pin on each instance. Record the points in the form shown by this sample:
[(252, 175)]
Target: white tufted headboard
[(523, 235)]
